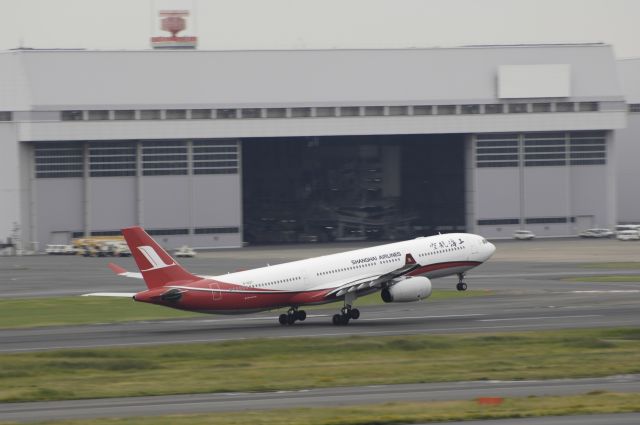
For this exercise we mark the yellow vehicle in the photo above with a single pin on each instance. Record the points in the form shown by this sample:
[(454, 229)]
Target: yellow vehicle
[(99, 246)]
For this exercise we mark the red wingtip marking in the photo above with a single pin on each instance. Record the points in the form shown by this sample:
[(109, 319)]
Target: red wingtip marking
[(409, 259), (116, 268)]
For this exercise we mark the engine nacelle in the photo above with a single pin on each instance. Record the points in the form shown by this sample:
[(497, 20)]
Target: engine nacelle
[(410, 289)]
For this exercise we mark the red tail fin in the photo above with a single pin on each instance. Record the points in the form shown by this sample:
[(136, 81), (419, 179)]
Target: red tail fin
[(157, 266)]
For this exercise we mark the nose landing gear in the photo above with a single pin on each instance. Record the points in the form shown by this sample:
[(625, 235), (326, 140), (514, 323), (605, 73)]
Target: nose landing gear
[(461, 286), (292, 316)]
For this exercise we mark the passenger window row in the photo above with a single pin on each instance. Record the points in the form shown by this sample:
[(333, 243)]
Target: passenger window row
[(291, 279), (359, 266)]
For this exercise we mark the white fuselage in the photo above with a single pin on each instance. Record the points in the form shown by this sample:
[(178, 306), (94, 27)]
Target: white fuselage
[(437, 256)]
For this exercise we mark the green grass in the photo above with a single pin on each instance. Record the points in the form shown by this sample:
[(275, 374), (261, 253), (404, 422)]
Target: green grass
[(56, 311), (30, 312), (297, 363), (396, 413), (612, 278)]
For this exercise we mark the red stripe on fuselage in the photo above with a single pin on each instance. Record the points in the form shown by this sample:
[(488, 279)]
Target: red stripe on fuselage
[(442, 266), (209, 295)]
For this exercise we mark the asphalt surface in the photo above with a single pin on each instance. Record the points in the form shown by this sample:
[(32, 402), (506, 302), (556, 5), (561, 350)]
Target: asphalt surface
[(324, 397), (492, 313), (521, 295), (523, 283)]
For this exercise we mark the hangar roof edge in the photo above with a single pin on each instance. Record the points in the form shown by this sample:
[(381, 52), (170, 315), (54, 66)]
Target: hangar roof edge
[(410, 48), (44, 79)]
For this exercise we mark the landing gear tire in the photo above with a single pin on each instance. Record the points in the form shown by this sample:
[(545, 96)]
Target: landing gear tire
[(346, 314), (337, 319), (340, 319), (292, 316), (461, 286)]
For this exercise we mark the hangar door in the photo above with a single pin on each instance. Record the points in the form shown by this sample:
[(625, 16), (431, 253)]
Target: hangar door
[(352, 188)]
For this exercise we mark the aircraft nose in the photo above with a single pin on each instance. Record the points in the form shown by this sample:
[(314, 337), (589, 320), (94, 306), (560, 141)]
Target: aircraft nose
[(491, 248)]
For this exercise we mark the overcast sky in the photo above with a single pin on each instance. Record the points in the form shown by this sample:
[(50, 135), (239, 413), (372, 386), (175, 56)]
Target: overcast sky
[(321, 24)]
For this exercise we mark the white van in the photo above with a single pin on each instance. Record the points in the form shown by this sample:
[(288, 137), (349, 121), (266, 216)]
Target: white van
[(628, 235), (623, 227), (60, 250), (526, 235)]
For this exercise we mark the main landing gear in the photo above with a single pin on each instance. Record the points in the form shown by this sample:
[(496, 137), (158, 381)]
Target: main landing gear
[(292, 316), (346, 313), (461, 286)]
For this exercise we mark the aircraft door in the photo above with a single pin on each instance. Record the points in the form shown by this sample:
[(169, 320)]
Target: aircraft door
[(474, 248), (215, 291)]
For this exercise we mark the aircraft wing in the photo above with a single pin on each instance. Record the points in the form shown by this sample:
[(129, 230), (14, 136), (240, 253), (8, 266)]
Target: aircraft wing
[(110, 294), (377, 281)]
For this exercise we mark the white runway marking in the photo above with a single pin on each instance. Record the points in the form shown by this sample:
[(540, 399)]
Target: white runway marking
[(444, 316), (540, 318), (609, 291)]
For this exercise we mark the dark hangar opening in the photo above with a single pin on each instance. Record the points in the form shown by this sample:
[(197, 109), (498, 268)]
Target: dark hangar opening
[(347, 188)]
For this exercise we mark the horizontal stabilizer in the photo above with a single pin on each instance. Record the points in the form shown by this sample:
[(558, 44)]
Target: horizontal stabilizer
[(111, 294), (120, 271)]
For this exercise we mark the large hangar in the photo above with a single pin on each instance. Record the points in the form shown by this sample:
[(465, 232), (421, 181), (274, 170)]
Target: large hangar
[(213, 148)]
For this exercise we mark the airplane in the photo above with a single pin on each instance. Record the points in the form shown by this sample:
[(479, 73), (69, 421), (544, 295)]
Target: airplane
[(401, 271)]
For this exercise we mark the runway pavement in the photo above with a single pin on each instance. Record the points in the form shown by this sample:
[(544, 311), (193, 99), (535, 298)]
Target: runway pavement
[(498, 313), (323, 397), (522, 295), (523, 282)]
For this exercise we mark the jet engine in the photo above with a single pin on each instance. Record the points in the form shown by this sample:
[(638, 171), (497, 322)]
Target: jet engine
[(409, 289)]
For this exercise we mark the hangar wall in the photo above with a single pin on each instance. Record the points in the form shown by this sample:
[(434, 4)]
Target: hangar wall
[(82, 98), (627, 144), (628, 148), (179, 190), (556, 183), (59, 209), (112, 202), (9, 183)]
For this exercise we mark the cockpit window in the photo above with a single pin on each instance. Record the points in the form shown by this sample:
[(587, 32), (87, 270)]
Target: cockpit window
[(484, 241)]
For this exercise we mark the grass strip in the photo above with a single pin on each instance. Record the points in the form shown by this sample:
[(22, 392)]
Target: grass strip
[(59, 311), (612, 278), (298, 363), (397, 412)]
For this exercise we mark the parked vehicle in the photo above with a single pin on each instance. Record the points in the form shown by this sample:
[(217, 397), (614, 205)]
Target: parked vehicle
[(596, 233), (185, 251), (121, 250), (623, 227), (60, 250), (628, 235), (524, 235)]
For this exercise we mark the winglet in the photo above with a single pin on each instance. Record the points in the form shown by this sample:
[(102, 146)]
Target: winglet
[(409, 260)]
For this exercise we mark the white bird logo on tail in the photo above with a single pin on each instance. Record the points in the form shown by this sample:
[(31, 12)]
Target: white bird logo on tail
[(153, 258)]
